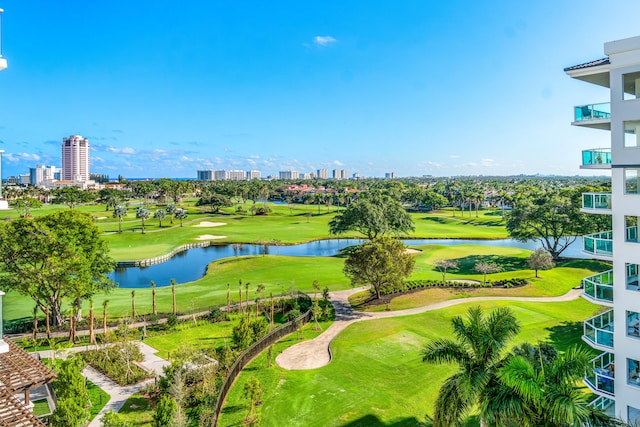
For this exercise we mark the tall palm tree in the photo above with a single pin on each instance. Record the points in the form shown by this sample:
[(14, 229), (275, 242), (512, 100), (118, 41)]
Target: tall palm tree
[(143, 214), (537, 386), (119, 212), (478, 349), (159, 215)]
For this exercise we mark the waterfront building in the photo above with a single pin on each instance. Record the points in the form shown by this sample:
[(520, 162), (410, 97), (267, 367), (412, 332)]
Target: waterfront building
[(323, 174), (340, 174), (289, 174), (75, 159), (205, 175), (614, 332), (253, 174)]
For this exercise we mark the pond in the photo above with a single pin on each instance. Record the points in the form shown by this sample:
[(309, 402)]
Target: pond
[(192, 264)]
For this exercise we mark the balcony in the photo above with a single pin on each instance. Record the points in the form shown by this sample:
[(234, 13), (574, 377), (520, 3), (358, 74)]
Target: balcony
[(600, 245), (596, 158), (605, 404), (598, 331), (599, 288), (597, 203), (593, 115), (602, 379)]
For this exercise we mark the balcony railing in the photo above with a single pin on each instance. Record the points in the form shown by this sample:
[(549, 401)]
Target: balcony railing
[(632, 234), (598, 331), (596, 202), (605, 404), (599, 287), (600, 244), (602, 378), (593, 112), (596, 158)]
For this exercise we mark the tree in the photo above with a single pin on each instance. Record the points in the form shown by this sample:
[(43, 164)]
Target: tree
[(478, 347), (216, 201), (54, 257), (381, 262), (486, 268), (181, 214), (105, 303), (72, 394), (540, 260), (553, 218), (154, 308), (374, 216), (69, 413), (111, 197), (71, 196), (143, 214), (24, 205), (159, 215), (119, 212), (164, 413), (113, 419), (173, 296), (171, 210), (252, 391), (133, 305), (538, 386), (443, 265)]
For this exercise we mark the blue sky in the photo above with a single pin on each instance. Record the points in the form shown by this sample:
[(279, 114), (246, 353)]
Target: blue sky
[(162, 89)]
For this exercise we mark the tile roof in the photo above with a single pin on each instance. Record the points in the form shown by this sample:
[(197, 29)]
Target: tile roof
[(603, 61)]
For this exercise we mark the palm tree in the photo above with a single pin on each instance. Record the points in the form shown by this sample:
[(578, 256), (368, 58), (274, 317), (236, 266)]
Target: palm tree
[(160, 214), (478, 350), (537, 386), (181, 214), (92, 333), (105, 303), (171, 210), (143, 214), (153, 298), (119, 212), (173, 295)]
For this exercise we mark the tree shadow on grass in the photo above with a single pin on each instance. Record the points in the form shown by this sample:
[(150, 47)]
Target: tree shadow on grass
[(507, 263), (436, 219), (565, 335), (373, 421)]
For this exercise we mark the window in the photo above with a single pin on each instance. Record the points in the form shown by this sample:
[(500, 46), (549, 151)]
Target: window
[(633, 415), (632, 134), (632, 277), (633, 324), (631, 177), (631, 84), (633, 372), (632, 229)]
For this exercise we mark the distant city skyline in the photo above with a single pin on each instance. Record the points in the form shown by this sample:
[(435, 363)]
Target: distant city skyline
[(411, 87)]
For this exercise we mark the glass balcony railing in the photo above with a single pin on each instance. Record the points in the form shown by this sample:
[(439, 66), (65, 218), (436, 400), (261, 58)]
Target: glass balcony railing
[(602, 378), (599, 330), (598, 244), (599, 287), (605, 404), (596, 201), (596, 157), (592, 112), (632, 234)]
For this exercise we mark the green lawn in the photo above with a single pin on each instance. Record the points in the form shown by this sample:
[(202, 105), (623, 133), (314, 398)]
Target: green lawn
[(41, 407), (98, 398), (377, 377), (137, 411)]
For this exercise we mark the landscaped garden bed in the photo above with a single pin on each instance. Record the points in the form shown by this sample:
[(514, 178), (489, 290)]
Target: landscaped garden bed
[(118, 363)]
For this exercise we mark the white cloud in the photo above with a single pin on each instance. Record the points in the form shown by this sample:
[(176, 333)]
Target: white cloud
[(125, 150), (323, 41), (17, 157), (338, 163), (488, 163), (454, 156)]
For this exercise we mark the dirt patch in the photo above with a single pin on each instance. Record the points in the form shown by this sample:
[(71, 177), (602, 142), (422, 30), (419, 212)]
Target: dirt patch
[(210, 224), (210, 237)]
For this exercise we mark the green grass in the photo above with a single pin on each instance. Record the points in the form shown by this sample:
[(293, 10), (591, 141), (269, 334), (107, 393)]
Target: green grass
[(377, 377), (137, 411), (41, 407), (98, 398)]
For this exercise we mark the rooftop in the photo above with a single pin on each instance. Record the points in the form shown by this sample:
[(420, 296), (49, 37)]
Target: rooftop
[(597, 62)]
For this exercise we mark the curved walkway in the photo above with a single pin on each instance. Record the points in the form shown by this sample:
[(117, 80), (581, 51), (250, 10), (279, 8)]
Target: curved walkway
[(316, 353)]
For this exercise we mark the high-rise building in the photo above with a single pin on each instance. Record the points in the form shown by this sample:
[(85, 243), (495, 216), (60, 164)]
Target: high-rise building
[(340, 174), (205, 175), (323, 173), (289, 174), (253, 174), (233, 175), (42, 173), (614, 332), (75, 158)]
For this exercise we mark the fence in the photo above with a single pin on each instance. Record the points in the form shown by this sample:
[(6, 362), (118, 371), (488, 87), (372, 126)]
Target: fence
[(251, 352), (157, 260)]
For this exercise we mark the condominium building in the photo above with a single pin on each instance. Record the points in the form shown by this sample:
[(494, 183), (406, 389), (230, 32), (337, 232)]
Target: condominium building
[(340, 174), (289, 175), (75, 158), (205, 175), (253, 174), (616, 331), (232, 175), (323, 174), (42, 173)]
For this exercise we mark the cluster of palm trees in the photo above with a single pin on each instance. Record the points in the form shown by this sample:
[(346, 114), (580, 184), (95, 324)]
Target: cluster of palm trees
[(144, 213), (530, 385)]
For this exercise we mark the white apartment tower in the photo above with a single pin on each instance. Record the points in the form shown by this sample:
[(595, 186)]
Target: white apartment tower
[(616, 331), (75, 158)]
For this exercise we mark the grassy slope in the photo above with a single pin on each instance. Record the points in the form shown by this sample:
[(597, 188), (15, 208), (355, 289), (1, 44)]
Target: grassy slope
[(377, 377)]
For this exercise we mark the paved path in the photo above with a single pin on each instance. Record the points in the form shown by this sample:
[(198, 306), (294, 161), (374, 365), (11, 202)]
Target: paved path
[(316, 353), (118, 394)]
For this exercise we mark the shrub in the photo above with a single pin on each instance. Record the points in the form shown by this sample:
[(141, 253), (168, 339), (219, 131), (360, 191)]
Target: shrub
[(116, 362), (172, 321)]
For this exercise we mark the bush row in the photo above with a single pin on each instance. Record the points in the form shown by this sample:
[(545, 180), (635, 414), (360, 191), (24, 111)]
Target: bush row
[(426, 283)]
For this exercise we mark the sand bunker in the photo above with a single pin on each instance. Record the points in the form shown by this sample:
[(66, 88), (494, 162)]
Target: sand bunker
[(210, 237), (411, 251), (210, 224)]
